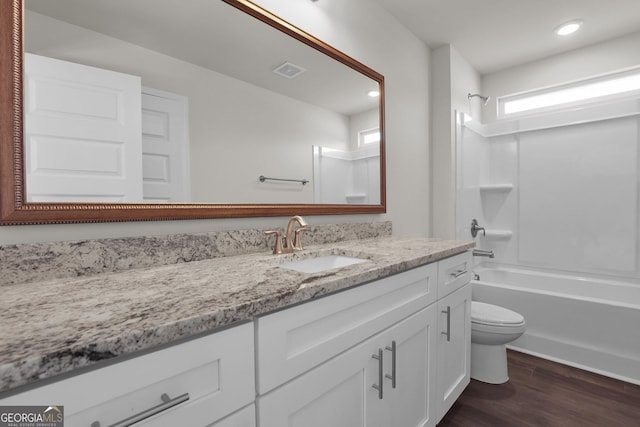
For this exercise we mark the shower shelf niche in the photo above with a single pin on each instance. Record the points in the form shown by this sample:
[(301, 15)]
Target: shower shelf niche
[(496, 188), (356, 197)]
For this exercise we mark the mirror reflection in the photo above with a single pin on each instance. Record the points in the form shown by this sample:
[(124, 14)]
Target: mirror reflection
[(190, 101)]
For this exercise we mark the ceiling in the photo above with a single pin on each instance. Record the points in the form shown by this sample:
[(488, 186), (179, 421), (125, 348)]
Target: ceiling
[(497, 34), (209, 34)]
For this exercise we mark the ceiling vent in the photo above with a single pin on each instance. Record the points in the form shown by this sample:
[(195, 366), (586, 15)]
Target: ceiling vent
[(289, 70)]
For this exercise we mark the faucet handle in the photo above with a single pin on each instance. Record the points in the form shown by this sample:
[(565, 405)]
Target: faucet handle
[(297, 243), (277, 247), (475, 228)]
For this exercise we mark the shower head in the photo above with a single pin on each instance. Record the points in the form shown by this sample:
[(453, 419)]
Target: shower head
[(485, 99)]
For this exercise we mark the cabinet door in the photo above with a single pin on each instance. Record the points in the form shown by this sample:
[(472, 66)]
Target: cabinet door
[(413, 399), (454, 347), (334, 394)]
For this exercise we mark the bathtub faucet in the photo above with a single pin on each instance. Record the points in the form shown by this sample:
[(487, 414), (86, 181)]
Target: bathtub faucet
[(480, 252), (475, 227)]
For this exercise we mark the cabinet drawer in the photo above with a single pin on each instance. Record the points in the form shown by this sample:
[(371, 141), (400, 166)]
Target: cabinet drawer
[(453, 273), (216, 371), (295, 340)]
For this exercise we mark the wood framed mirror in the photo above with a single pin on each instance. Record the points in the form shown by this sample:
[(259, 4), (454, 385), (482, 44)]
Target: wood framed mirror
[(219, 183)]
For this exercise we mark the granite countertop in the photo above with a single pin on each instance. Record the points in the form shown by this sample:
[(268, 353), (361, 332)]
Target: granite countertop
[(56, 326)]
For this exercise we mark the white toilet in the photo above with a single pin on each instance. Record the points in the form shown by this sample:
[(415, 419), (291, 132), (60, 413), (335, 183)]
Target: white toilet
[(491, 328)]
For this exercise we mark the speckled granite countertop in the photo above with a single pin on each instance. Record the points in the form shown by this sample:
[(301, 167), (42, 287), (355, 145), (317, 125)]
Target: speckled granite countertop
[(52, 327)]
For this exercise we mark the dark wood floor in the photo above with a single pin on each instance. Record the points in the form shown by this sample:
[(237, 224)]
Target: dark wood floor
[(541, 393)]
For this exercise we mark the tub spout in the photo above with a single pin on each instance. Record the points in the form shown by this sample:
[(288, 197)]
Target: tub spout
[(480, 252)]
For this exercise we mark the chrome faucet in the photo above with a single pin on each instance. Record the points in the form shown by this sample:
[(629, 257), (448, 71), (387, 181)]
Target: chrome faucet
[(480, 252), (290, 241)]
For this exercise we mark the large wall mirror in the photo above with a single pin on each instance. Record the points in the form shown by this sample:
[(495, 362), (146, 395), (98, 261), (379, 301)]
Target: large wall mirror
[(113, 110)]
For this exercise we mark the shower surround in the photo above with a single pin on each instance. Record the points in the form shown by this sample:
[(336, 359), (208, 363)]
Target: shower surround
[(557, 194)]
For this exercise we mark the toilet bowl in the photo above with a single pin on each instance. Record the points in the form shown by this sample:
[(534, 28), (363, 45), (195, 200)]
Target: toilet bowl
[(491, 328)]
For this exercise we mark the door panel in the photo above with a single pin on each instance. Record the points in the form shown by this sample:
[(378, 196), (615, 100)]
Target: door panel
[(165, 147), (82, 133)]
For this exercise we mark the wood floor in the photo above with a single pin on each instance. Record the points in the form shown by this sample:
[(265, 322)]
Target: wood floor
[(541, 393)]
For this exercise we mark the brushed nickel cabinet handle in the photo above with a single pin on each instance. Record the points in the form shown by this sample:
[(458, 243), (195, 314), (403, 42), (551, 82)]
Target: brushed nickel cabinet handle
[(392, 377), (379, 386), (167, 403), (458, 273), (448, 313)]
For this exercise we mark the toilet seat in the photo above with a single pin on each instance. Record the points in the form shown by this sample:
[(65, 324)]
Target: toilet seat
[(493, 315)]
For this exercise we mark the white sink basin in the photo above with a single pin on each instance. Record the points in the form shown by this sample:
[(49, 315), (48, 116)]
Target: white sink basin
[(321, 263)]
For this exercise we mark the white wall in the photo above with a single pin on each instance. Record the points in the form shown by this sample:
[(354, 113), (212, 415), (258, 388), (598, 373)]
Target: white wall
[(366, 32), (452, 78), (581, 213), (602, 58), (361, 122)]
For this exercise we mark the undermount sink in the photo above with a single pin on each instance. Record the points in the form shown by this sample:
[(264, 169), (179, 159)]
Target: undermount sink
[(321, 263)]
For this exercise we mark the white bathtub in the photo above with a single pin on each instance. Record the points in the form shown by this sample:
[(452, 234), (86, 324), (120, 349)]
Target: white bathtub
[(592, 324)]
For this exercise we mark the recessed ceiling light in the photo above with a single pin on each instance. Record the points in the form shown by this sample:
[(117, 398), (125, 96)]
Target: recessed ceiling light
[(568, 27), (374, 93)]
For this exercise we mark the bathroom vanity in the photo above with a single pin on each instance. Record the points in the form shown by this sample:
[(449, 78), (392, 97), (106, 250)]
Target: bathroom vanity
[(382, 342)]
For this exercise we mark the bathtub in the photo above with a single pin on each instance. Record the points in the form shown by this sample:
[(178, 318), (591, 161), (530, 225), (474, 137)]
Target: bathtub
[(592, 324)]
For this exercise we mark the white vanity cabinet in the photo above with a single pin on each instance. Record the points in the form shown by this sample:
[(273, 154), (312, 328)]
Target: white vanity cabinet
[(368, 356), (391, 352), (316, 364), (194, 383), (454, 326), (297, 339)]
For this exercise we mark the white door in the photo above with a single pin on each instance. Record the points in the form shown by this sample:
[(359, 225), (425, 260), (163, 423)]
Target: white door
[(82, 133), (165, 147), (454, 348)]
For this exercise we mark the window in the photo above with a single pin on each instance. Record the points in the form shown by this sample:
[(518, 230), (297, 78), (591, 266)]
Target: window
[(578, 93), (369, 136)]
